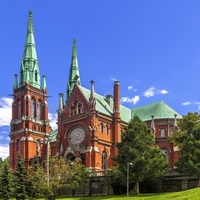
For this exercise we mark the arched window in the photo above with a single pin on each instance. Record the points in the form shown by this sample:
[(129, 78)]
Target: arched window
[(166, 153), (104, 160), (19, 109), (39, 110), (106, 130), (80, 108), (32, 107), (101, 128), (162, 132), (18, 145), (37, 146)]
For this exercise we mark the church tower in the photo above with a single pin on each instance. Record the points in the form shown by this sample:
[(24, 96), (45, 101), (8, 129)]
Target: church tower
[(29, 124)]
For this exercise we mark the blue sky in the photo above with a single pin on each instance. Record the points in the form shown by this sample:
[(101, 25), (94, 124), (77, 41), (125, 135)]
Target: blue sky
[(151, 46)]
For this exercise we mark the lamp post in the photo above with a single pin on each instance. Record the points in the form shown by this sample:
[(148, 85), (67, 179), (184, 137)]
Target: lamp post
[(47, 139), (127, 186)]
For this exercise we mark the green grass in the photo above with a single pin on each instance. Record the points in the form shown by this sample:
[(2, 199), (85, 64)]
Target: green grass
[(192, 194)]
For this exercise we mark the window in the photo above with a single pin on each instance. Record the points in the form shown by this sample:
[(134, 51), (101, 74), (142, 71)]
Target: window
[(104, 160), (106, 130), (101, 128), (36, 76), (80, 108), (76, 108), (37, 146), (162, 132), (32, 107), (19, 109), (18, 145), (166, 153), (39, 110)]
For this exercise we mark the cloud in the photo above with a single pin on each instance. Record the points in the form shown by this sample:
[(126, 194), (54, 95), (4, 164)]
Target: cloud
[(186, 103), (133, 100), (113, 79), (162, 92), (4, 150), (149, 92), (53, 120), (5, 111), (153, 91), (130, 87)]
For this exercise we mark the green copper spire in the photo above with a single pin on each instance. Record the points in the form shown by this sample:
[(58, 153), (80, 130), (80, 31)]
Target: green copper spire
[(74, 76), (29, 71)]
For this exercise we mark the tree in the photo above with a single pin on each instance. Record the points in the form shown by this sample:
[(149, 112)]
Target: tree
[(187, 139), (63, 177), (138, 148), (21, 180), (5, 181)]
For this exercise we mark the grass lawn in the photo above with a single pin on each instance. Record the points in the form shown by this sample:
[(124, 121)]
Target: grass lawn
[(192, 194)]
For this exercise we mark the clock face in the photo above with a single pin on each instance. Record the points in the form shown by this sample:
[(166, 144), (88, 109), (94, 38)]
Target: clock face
[(77, 135)]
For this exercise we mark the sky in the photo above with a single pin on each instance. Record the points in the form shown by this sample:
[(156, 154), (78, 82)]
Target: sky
[(151, 46)]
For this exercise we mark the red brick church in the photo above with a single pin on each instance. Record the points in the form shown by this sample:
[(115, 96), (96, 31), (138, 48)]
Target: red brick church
[(89, 124)]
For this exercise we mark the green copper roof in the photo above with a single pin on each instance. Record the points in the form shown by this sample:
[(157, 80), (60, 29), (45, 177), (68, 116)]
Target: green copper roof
[(159, 110), (74, 76), (102, 105), (29, 71), (53, 135)]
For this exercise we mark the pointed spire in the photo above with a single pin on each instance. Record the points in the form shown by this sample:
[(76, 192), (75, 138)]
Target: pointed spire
[(153, 128), (74, 77), (29, 64), (61, 103), (15, 82), (92, 100), (44, 84)]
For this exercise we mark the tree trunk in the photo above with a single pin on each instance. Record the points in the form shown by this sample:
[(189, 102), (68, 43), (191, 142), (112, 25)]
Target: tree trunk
[(137, 187)]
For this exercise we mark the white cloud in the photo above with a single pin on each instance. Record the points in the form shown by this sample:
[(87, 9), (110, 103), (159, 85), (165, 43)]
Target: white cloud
[(5, 111), (149, 92), (4, 150), (133, 100), (53, 120), (113, 79), (162, 92), (186, 103), (130, 87), (153, 91)]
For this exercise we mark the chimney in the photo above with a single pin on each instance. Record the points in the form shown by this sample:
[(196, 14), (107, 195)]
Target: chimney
[(116, 97)]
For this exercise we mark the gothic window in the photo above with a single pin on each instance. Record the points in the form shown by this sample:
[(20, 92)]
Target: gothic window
[(76, 108), (18, 145), (19, 109), (166, 153), (37, 146), (106, 130), (101, 128), (39, 110), (32, 107), (104, 160), (80, 108), (162, 132), (36, 76)]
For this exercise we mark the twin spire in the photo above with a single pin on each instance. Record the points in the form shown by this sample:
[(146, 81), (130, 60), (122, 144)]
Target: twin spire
[(29, 71)]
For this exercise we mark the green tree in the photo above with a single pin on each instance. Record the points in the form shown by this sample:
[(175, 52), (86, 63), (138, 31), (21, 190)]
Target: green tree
[(21, 180), (138, 148), (63, 177), (187, 139), (5, 181)]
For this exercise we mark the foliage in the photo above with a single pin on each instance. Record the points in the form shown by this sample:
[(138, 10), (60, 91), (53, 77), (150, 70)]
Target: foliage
[(63, 177), (187, 138), (5, 181), (21, 182), (138, 148)]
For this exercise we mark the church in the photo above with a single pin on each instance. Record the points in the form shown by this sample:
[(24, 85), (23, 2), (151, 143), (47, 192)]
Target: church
[(89, 125)]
